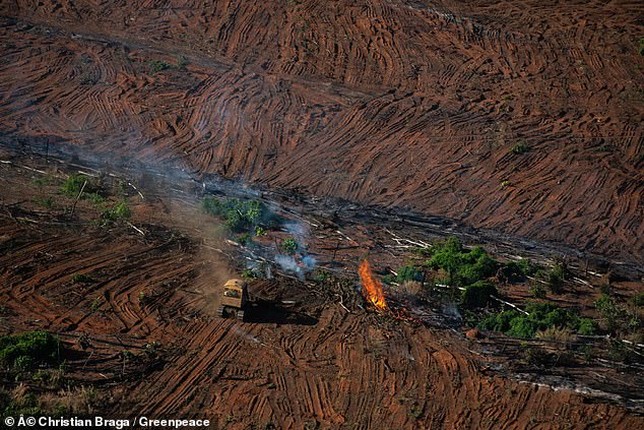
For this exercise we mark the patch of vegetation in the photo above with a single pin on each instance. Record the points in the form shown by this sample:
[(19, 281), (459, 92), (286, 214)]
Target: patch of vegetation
[(243, 239), (555, 277), (289, 246), (537, 290), (96, 304), (182, 62), (520, 148), (73, 185), (541, 316), (79, 278), (478, 295), (46, 202), (24, 401), (321, 275), (118, 212), (43, 180), (409, 273), (94, 198), (249, 274), (239, 215), (641, 47), (638, 299), (463, 267), (157, 66), (517, 271), (26, 350), (604, 148), (617, 318)]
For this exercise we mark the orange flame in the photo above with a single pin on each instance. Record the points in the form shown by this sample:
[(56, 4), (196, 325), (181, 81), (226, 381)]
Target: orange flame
[(371, 286)]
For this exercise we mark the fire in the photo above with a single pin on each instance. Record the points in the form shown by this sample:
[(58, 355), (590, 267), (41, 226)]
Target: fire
[(371, 286)]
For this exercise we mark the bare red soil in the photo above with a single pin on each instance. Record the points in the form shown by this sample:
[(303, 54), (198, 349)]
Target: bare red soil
[(153, 346), (394, 103), (398, 103)]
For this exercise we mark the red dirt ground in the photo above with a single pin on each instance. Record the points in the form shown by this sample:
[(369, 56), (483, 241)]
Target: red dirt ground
[(396, 103), (399, 103), (318, 364)]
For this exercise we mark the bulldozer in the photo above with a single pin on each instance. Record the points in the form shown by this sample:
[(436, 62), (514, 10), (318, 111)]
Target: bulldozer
[(234, 299)]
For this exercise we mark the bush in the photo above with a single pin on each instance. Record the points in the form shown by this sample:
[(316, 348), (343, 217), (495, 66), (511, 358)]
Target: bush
[(289, 246), (478, 295), (243, 239), (249, 274), (182, 62), (79, 278), (117, 212), (586, 327), (517, 271), (239, 215), (541, 316), (638, 299), (537, 290), (462, 266), (520, 148), (158, 66), (409, 273), (617, 318), (555, 277), (73, 184), (28, 349)]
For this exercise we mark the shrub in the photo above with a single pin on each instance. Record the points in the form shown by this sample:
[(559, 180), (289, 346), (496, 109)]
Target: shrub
[(243, 239), (239, 215), (289, 246), (79, 278), (117, 212), (478, 295), (641, 48), (537, 290), (182, 62), (462, 266), (46, 202), (28, 349), (517, 271), (638, 299), (555, 277), (586, 327), (541, 316), (158, 66), (520, 148), (249, 274), (616, 317), (409, 273), (73, 184)]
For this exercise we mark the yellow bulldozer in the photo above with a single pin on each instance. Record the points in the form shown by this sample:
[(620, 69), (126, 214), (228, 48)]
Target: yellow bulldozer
[(234, 299)]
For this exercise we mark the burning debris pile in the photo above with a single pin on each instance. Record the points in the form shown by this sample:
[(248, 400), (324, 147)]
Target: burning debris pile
[(371, 287)]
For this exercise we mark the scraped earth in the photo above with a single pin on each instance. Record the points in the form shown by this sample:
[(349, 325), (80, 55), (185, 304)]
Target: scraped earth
[(400, 104), (143, 330)]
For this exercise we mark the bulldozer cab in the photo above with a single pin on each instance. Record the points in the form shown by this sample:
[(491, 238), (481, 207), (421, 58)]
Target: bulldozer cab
[(235, 294)]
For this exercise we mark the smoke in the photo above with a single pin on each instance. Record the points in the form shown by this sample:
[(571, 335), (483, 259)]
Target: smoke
[(451, 310), (298, 265), (298, 230)]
